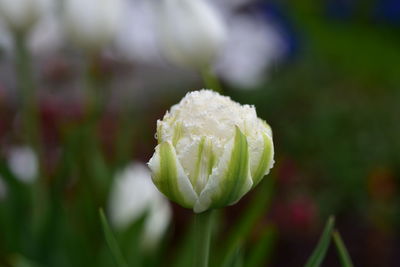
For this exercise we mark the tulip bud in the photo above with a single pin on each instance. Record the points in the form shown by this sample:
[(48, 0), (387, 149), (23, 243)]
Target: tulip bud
[(22, 14), (191, 32), (132, 195), (92, 23), (211, 151)]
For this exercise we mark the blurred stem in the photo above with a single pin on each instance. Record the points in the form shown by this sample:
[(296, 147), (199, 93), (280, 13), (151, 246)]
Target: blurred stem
[(203, 225), (94, 92), (211, 80), (31, 124), (93, 165), (125, 141), (30, 112)]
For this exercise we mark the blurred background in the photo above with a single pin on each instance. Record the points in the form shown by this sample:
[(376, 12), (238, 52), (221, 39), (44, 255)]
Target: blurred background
[(82, 84)]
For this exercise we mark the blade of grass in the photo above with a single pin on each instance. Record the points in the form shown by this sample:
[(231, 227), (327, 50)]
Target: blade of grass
[(342, 250), (112, 242), (319, 253)]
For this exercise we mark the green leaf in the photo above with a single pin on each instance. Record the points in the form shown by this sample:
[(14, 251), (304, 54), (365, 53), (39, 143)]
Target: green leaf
[(320, 251), (235, 259), (261, 252), (131, 241), (112, 242), (256, 208), (20, 261), (341, 249)]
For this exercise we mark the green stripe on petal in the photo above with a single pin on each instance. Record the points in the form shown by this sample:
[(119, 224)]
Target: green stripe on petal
[(177, 133), (159, 132), (169, 176), (200, 149), (204, 164), (265, 162), (231, 179)]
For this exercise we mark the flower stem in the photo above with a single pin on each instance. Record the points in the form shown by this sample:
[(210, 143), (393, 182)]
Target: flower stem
[(31, 125), (211, 80), (95, 90), (30, 112), (203, 223)]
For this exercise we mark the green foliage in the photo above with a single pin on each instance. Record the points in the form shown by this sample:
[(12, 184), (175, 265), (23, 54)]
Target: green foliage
[(242, 228), (261, 253)]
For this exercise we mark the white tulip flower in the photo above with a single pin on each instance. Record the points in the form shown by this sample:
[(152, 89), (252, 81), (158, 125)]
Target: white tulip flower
[(253, 47), (134, 194), (20, 15), (92, 23), (191, 32), (23, 163), (6, 42), (137, 37), (211, 151), (47, 37)]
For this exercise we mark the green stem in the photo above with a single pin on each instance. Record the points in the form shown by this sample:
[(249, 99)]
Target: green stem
[(93, 164), (30, 112), (94, 88), (31, 125), (211, 80), (203, 222)]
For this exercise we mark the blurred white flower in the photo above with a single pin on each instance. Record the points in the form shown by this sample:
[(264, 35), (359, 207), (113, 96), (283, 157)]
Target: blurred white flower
[(22, 14), (47, 36), (134, 194), (229, 6), (92, 23), (137, 37), (252, 48), (6, 41), (191, 32), (23, 163)]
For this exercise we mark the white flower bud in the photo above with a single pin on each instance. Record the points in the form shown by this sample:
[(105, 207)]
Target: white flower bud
[(92, 23), (211, 151), (22, 14), (191, 32), (132, 195)]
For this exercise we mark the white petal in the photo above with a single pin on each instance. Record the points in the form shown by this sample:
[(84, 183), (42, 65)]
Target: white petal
[(169, 176)]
